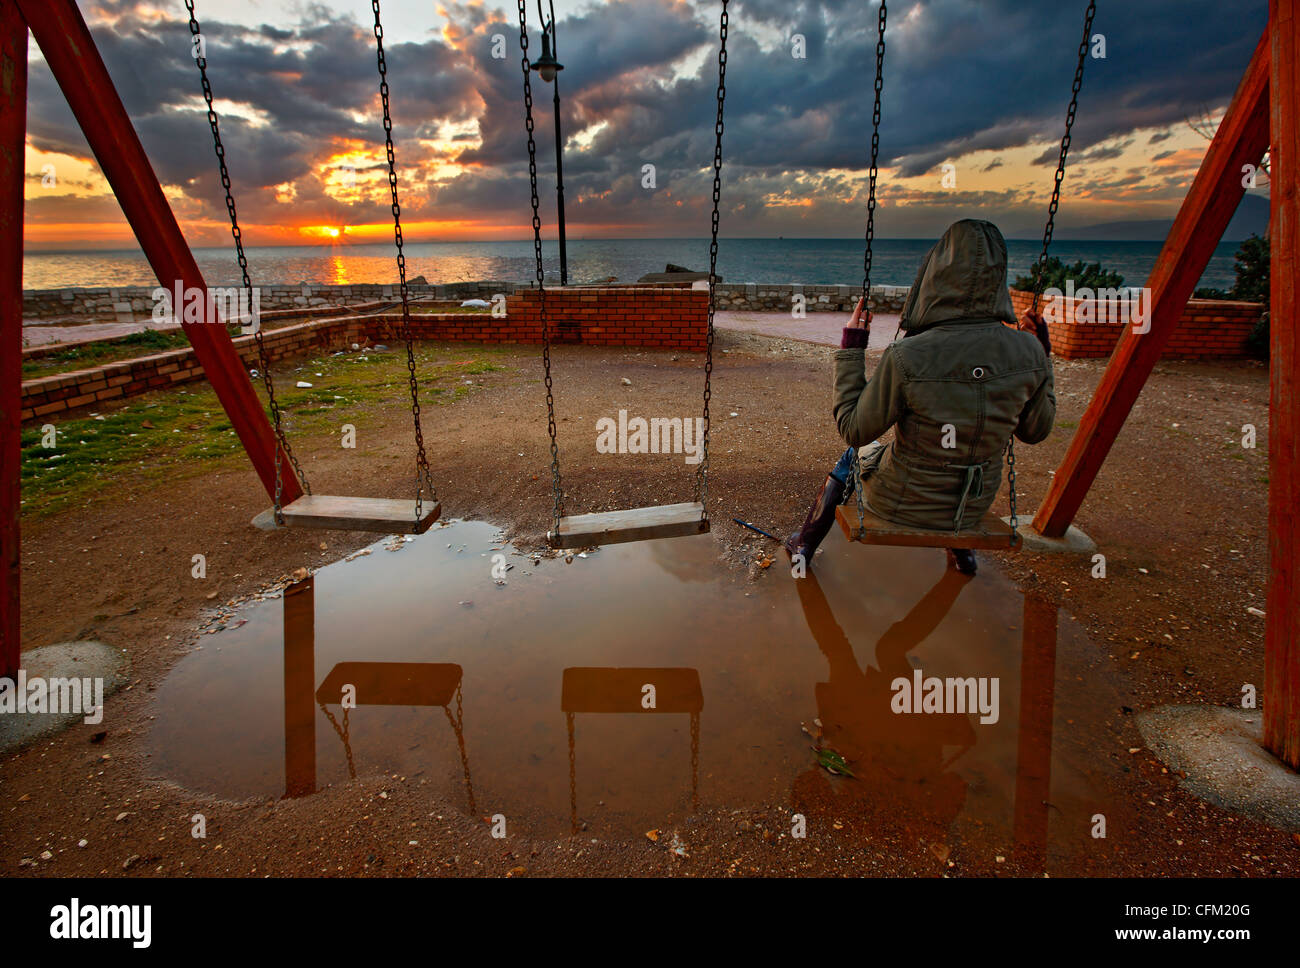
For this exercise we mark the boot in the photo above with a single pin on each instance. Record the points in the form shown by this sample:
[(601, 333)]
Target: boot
[(963, 559), (820, 518)]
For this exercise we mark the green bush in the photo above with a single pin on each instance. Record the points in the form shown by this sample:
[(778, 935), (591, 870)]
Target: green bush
[(1056, 272)]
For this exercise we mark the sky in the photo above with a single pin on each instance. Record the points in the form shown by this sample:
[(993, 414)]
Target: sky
[(979, 87)]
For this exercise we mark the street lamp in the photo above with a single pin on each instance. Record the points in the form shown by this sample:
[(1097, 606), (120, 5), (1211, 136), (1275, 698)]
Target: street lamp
[(548, 69)]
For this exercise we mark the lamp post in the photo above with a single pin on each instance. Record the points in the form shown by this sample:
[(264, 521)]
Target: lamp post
[(548, 69)]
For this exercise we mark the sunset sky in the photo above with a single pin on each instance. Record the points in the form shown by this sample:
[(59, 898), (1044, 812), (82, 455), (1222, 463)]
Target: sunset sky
[(979, 85)]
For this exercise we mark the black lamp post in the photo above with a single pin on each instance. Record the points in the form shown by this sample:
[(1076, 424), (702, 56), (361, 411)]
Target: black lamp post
[(548, 69)]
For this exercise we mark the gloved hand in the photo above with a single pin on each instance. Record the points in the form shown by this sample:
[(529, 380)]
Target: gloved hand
[(1034, 323)]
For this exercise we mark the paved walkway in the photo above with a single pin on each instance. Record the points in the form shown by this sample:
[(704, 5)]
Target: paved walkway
[(823, 328)]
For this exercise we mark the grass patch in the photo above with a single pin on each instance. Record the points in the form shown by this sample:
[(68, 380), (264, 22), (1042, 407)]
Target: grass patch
[(184, 429), (143, 343)]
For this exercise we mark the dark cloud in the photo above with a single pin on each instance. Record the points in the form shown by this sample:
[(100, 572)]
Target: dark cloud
[(960, 77)]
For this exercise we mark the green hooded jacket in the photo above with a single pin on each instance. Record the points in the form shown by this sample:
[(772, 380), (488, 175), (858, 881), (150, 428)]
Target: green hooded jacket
[(954, 390)]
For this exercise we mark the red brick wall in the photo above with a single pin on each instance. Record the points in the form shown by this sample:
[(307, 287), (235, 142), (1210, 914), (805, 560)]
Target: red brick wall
[(659, 316), (665, 316), (1207, 328), (63, 392)]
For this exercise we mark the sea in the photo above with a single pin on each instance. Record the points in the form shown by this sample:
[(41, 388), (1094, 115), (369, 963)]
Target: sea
[(804, 261)]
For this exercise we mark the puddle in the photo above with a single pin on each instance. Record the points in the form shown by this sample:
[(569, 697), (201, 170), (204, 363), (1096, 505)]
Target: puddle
[(627, 689)]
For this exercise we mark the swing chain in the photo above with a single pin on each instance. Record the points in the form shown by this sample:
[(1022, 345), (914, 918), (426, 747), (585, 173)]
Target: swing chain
[(557, 491), (423, 474), (702, 472), (264, 364), (871, 233), (1041, 266), (1011, 488)]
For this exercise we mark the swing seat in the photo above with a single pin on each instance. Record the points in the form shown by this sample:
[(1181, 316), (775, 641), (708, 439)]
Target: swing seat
[(991, 534), (384, 515), (393, 683), (633, 524)]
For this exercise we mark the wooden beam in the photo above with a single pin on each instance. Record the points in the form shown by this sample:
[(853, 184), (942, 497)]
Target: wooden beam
[(13, 135), (1216, 191), (1282, 637), (73, 59), (990, 534)]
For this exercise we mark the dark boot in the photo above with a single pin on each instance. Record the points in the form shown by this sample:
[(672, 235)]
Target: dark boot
[(963, 559), (820, 518)]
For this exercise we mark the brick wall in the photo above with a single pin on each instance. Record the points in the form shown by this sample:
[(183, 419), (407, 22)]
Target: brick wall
[(1207, 328), (112, 382), (667, 317), (670, 317)]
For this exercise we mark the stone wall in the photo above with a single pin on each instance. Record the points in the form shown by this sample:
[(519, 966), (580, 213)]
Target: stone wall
[(129, 303)]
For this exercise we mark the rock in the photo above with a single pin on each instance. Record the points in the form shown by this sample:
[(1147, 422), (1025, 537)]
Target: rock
[(130, 862), (303, 385), (46, 855), (83, 842), (626, 382)]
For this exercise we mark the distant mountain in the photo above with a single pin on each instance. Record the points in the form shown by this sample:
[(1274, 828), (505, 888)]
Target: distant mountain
[(1251, 217)]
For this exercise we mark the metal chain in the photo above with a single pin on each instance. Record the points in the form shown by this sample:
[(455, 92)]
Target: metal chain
[(695, 762), (573, 773), (344, 732), (1011, 487), (871, 232), (263, 362), (458, 727), (557, 490), (1041, 266), (702, 471), (423, 475), (1048, 229)]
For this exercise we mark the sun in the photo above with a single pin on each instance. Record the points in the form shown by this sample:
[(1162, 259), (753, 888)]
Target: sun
[(332, 232)]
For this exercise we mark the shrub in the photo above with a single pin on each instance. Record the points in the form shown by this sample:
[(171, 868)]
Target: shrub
[(1056, 272)]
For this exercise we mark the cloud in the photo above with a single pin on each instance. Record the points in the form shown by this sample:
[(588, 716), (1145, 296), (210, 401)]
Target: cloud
[(639, 87)]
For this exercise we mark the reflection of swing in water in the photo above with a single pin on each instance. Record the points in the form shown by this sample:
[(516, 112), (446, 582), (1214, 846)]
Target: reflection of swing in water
[(587, 690), (366, 683), (903, 778)]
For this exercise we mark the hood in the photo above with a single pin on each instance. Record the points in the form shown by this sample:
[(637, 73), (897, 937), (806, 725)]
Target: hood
[(963, 279)]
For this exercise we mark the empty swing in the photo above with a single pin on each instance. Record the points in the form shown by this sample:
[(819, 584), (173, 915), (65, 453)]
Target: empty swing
[(631, 524), (991, 533), (383, 515)]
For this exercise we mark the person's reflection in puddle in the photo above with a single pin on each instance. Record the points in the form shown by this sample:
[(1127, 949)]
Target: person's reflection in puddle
[(904, 788)]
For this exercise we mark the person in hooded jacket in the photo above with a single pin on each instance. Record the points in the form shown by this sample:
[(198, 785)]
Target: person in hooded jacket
[(954, 390)]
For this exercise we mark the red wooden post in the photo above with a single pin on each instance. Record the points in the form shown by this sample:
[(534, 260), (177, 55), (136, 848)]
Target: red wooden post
[(74, 61), (1034, 743), (1282, 638), (300, 688), (13, 135), (1216, 191)]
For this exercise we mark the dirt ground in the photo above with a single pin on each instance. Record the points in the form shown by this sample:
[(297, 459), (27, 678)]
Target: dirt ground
[(1179, 511)]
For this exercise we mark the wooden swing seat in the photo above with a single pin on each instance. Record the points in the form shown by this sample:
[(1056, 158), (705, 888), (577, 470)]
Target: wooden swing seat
[(380, 514), (991, 534), (393, 683), (633, 524)]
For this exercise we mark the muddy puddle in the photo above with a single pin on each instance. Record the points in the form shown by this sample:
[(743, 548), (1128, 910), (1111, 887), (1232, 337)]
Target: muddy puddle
[(627, 689)]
